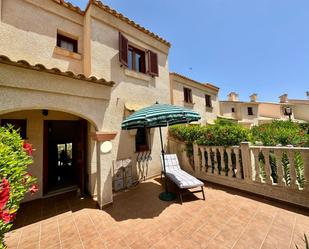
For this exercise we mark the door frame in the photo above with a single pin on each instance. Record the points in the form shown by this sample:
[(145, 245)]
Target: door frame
[(82, 166)]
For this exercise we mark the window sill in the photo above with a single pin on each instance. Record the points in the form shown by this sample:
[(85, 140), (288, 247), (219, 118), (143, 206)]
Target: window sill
[(67, 53), (136, 75), (188, 104), (209, 108)]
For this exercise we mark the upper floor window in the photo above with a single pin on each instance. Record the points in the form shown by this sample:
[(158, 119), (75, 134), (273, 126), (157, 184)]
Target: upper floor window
[(67, 43), (250, 111), (18, 124), (187, 93), (135, 59), (208, 100), (233, 109)]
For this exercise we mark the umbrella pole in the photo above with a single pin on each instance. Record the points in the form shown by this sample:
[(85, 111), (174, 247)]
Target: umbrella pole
[(165, 196)]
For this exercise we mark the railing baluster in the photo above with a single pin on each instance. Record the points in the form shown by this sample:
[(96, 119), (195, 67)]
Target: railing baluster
[(218, 171), (257, 177), (291, 156), (203, 168), (208, 166), (267, 166), (237, 172), (213, 161), (222, 165), (229, 162), (305, 156), (278, 156)]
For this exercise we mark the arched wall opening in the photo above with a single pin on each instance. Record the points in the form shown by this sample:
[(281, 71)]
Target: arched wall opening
[(64, 155)]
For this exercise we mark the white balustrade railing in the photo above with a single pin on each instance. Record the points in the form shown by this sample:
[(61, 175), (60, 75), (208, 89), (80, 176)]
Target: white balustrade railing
[(278, 172), (281, 166)]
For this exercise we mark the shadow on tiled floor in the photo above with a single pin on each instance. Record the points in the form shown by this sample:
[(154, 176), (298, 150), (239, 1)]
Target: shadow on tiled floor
[(138, 219)]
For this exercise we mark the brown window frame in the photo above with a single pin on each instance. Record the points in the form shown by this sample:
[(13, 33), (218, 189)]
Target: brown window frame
[(187, 93), (74, 42), (132, 65), (233, 109), (20, 124), (208, 100), (141, 134), (250, 111)]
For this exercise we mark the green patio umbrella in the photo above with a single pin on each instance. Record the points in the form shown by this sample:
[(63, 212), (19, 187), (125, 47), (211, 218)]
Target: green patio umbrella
[(159, 115)]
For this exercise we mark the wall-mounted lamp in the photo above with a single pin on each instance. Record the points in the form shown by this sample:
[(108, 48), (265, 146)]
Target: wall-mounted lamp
[(45, 112)]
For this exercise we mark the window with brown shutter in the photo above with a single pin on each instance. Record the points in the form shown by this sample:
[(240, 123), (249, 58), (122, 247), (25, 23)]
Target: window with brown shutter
[(153, 68), (187, 92), (135, 59), (208, 100), (123, 49), (250, 111)]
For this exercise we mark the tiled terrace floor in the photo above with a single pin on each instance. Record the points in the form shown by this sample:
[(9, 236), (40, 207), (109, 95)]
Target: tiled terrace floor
[(138, 219)]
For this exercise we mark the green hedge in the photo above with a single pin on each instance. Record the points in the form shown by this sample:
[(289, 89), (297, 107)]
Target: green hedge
[(281, 132), (228, 133), (222, 133)]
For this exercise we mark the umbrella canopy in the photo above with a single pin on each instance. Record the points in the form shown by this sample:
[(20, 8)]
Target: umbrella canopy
[(159, 115)]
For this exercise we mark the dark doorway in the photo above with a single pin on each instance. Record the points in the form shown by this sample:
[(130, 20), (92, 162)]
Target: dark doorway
[(64, 155)]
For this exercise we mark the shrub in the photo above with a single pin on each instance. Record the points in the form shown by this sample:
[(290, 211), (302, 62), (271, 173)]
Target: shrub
[(280, 132), (15, 156), (223, 132)]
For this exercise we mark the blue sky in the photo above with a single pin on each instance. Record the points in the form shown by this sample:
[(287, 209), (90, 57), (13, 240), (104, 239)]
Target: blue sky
[(245, 46)]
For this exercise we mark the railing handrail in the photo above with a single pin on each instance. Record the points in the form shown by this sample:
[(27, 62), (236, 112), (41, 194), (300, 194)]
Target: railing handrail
[(279, 147)]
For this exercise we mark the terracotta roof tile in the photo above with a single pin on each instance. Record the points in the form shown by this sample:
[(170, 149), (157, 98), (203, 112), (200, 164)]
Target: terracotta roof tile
[(70, 6), (197, 82), (39, 67), (115, 14)]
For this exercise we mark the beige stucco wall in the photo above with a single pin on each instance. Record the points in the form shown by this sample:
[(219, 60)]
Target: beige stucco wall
[(22, 89), (130, 87), (28, 31), (301, 111), (226, 109), (24, 93), (34, 39), (276, 110), (198, 96), (271, 110)]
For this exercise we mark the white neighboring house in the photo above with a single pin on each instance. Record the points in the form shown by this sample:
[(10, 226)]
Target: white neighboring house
[(256, 113), (245, 113)]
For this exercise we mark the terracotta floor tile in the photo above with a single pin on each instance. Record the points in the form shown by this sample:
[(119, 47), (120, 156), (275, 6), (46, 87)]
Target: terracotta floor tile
[(26, 245), (93, 244), (138, 219), (141, 243), (73, 243), (50, 240)]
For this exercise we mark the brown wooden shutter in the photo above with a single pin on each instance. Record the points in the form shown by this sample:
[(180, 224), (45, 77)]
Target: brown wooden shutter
[(123, 49), (153, 68), (190, 96), (185, 95)]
